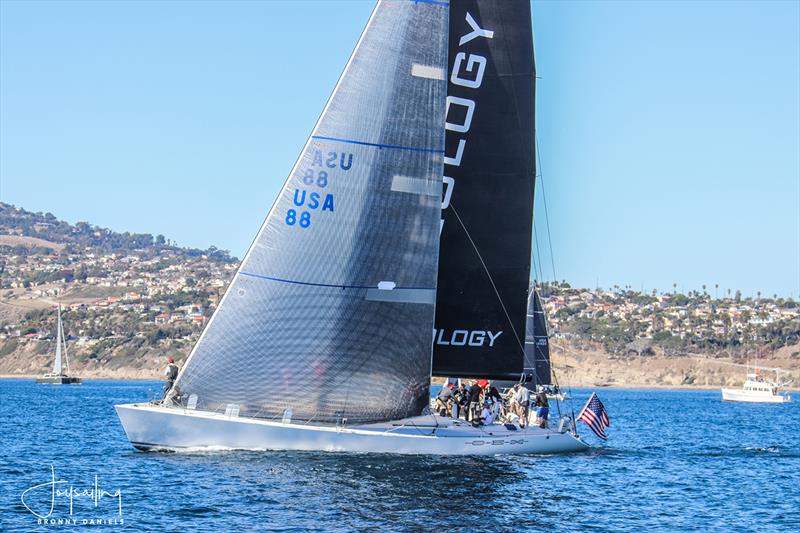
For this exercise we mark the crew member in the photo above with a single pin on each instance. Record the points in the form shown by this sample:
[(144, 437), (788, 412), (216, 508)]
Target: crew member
[(443, 400), (486, 415), (460, 401), (543, 408), (522, 397), (474, 409), (171, 373), (493, 395)]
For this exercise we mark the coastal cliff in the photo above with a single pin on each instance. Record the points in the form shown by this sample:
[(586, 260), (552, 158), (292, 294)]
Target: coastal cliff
[(573, 367), (595, 368)]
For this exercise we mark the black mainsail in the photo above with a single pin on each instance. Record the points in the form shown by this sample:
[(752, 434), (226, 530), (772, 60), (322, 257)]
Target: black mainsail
[(485, 249), (537, 342), (330, 314)]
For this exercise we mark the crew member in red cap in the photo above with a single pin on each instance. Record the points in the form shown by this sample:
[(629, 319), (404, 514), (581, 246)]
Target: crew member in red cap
[(172, 373)]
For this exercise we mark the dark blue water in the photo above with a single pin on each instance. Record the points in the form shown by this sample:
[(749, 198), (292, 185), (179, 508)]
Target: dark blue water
[(676, 460)]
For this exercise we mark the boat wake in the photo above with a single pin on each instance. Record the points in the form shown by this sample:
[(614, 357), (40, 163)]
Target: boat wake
[(748, 451), (758, 449)]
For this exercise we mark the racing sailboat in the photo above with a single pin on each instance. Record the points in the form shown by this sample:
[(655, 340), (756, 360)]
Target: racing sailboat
[(398, 248)]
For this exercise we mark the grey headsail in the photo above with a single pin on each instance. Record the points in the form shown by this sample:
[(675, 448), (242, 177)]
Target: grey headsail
[(537, 342), (484, 267), (330, 315)]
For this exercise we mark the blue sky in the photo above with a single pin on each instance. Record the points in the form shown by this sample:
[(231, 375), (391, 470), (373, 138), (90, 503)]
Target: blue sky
[(669, 131)]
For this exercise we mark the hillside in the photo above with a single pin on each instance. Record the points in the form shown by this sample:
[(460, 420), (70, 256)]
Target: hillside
[(26, 232), (128, 299), (131, 299)]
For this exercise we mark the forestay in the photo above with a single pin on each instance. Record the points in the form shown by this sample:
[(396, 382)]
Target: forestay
[(330, 315)]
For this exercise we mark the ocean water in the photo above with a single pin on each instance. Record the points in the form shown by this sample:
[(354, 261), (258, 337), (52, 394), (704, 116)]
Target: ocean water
[(675, 461)]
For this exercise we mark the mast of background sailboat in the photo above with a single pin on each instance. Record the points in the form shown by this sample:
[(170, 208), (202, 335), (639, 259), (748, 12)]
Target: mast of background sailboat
[(57, 362), (63, 339)]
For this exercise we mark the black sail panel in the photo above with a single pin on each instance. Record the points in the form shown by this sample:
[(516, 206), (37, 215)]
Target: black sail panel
[(537, 343), (485, 249)]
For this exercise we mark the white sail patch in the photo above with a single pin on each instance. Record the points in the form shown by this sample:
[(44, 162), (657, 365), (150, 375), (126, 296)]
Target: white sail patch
[(416, 186), (409, 296), (427, 71)]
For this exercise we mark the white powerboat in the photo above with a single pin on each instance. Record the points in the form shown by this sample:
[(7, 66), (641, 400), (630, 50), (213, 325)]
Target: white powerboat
[(756, 389)]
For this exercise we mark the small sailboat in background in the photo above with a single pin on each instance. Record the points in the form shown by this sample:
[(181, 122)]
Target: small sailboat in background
[(59, 376), (757, 389)]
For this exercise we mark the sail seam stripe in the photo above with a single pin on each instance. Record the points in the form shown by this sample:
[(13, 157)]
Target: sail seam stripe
[(294, 282), (378, 145), (434, 2)]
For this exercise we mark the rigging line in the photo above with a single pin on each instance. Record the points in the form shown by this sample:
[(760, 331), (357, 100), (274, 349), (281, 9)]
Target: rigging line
[(491, 280), (538, 253), (550, 360), (558, 388), (544, 200), (533, 264)]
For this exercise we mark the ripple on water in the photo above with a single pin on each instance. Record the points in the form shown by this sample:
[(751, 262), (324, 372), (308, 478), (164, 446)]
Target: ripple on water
[(656, 472)]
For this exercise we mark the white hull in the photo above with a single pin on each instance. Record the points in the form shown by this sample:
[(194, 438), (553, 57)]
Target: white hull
[(153, 427), (739, 395), (560, 396), (54, 379)]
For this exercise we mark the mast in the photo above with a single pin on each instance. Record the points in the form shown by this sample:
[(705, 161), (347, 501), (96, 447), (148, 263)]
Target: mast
[(57, 364), (63, 339), (485, 250)]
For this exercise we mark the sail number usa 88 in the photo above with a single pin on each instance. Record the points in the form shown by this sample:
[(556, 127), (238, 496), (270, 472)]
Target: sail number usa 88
[(305, 199), (309, 200)]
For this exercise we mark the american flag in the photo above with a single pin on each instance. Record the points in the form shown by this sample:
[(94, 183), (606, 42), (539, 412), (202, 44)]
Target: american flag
[(595, 416)]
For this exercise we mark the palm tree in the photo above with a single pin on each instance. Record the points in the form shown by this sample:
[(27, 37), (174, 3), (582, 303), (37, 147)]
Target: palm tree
[(716, 288)]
